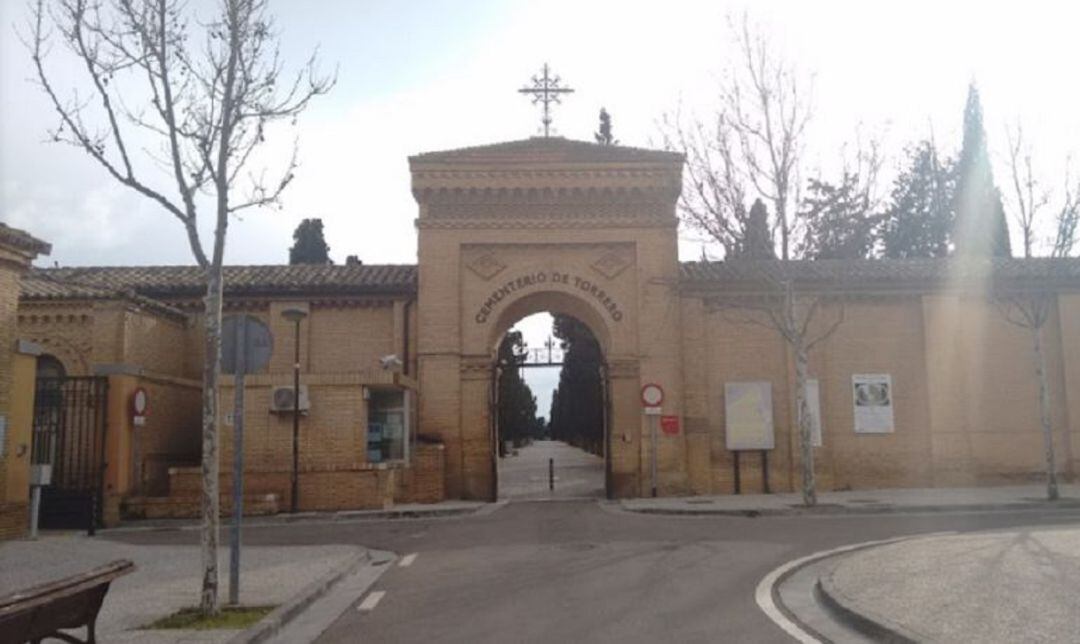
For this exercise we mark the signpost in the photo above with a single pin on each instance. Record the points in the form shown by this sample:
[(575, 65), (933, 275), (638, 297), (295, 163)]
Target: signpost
[(246, 346), (140, 401), (652, 397)]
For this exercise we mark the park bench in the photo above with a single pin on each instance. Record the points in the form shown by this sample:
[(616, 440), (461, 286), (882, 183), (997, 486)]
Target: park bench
[(41, 612)]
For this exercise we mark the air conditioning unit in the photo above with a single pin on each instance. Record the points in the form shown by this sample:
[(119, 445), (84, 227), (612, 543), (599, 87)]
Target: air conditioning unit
[(282, 399)]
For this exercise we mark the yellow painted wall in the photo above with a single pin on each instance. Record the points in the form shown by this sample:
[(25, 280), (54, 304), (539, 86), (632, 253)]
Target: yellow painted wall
[(20, 422)]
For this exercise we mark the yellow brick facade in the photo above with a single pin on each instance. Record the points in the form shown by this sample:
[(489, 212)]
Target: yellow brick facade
[(17, 250), (547, 225)]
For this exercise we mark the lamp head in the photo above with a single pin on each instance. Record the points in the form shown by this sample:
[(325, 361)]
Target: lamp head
[(294, 315)]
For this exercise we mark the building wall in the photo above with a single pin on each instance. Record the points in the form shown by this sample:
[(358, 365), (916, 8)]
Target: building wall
[(964, 394), (83, 335), (13, 498), (15, 395)]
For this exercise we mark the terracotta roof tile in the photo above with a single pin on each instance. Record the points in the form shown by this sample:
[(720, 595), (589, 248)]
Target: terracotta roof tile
[(187, 281), (881, 271), (24, 240)]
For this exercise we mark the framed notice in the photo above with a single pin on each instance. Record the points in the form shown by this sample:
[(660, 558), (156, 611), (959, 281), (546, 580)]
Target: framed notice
[(813, 401), (748, 411), (873, 400)]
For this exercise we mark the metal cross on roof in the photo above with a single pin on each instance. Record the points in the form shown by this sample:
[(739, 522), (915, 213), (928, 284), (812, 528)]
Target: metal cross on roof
[(545, 90)]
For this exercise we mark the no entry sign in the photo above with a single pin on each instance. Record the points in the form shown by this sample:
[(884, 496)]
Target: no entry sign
[(652, 395)]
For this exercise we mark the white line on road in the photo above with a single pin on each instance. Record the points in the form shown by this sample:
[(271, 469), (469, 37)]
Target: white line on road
[(764, 593), (371, 601), (407, 560)]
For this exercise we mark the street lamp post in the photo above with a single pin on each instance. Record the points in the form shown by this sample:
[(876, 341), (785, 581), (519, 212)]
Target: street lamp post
[(295, 315)]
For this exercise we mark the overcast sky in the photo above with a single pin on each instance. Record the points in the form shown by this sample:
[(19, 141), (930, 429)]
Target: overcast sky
[(420, 76)]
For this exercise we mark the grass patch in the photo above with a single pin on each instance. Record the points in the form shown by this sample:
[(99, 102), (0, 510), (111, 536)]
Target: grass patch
[(230, 617)]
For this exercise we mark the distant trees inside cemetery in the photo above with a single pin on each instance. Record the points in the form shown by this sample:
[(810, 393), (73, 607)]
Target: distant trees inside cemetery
[(577, 406), (748, 155), (309, 244)]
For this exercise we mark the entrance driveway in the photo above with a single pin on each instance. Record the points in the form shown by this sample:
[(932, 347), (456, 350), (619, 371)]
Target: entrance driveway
[(525, 476)]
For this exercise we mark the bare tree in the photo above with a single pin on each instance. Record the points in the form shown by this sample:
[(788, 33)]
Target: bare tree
[(752, 144), (772, 302), (206, 101), (1029, 305)]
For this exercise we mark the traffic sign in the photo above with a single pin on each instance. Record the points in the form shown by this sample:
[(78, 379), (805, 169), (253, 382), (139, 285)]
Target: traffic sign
[(652, 395)]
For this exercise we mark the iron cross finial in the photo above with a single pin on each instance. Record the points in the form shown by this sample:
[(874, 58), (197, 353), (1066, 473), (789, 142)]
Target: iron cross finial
[(546, 90)]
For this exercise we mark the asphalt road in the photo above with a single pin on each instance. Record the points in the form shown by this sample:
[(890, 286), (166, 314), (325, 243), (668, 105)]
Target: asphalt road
[(582, 571)]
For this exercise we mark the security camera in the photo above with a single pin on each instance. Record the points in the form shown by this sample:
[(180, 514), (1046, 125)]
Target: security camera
[(391, 361)]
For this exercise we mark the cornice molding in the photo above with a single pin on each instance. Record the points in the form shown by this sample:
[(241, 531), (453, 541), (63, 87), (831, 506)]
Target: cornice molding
[(546, 224)]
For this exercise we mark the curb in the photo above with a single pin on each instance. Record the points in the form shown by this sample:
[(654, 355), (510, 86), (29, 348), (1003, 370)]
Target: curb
[(266, 627), (767, 594), (866, 622), (342, 516), (835, 509)]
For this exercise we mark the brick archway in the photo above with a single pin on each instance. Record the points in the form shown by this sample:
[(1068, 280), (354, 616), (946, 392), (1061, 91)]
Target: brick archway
[(554, 225)]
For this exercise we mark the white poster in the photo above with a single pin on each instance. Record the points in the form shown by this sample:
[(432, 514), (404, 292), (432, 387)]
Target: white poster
[(748, 412), (813, 401), (873, 396)]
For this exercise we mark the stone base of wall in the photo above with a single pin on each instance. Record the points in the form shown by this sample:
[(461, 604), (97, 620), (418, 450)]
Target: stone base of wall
[(320, 490), (168, 507), (14, 520)]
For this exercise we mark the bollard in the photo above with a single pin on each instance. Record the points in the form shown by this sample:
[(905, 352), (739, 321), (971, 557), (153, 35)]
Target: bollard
[(551, 475)]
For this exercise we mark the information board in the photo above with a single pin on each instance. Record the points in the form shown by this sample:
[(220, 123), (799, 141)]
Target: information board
[(873, 399), (748, 412)]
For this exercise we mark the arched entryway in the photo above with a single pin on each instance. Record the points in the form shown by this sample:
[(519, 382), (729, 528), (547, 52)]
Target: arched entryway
[(550, 411)]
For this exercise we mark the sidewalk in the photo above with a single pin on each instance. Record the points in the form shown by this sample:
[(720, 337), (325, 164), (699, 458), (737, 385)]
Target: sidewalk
[(1016, 497), (166, 579), (1012, 586)]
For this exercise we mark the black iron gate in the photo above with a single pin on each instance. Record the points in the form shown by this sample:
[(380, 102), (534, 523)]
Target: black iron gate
[(69, 434)]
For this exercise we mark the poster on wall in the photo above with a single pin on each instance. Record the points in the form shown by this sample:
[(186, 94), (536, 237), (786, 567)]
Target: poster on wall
[(813, 401), (748, 411), (873, 397)]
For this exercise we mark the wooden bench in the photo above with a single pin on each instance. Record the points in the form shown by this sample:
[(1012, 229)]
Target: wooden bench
[(34, 614)]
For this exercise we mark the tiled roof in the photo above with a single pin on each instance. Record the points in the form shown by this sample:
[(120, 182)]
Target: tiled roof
[(871, 272), (24, 240), (188, 281), (547, 150), (41, 284)]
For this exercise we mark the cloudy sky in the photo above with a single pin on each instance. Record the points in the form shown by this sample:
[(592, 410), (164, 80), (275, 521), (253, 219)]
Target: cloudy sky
[(429, 75)]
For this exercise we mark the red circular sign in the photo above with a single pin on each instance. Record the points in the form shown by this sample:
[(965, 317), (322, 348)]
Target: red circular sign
[(652, 395), (140, 401)]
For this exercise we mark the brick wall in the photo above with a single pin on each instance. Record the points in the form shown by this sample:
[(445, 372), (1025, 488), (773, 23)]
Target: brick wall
[(9, 285), (964, 395), (424, 480)]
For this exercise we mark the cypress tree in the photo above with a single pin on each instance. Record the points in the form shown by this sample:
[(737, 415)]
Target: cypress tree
[(309, 245), (604, 136), (577, 406), (981, 228), (517, 404), (757, 241)]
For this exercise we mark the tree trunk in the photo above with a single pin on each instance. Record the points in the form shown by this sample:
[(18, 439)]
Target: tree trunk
[(1044, 413), (208, 601), (806, 443)]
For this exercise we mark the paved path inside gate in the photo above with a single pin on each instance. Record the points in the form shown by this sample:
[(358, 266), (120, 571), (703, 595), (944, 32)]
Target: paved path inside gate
[(524, 476)]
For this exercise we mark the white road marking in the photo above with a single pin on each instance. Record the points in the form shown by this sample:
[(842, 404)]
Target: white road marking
[(371, 601), (407, 560), (763, 595)]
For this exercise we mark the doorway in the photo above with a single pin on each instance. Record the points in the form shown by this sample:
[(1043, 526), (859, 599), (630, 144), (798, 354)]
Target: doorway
[(550, 411)]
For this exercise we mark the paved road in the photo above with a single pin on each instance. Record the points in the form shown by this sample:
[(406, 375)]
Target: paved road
[(582, 571), (578, 474)]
